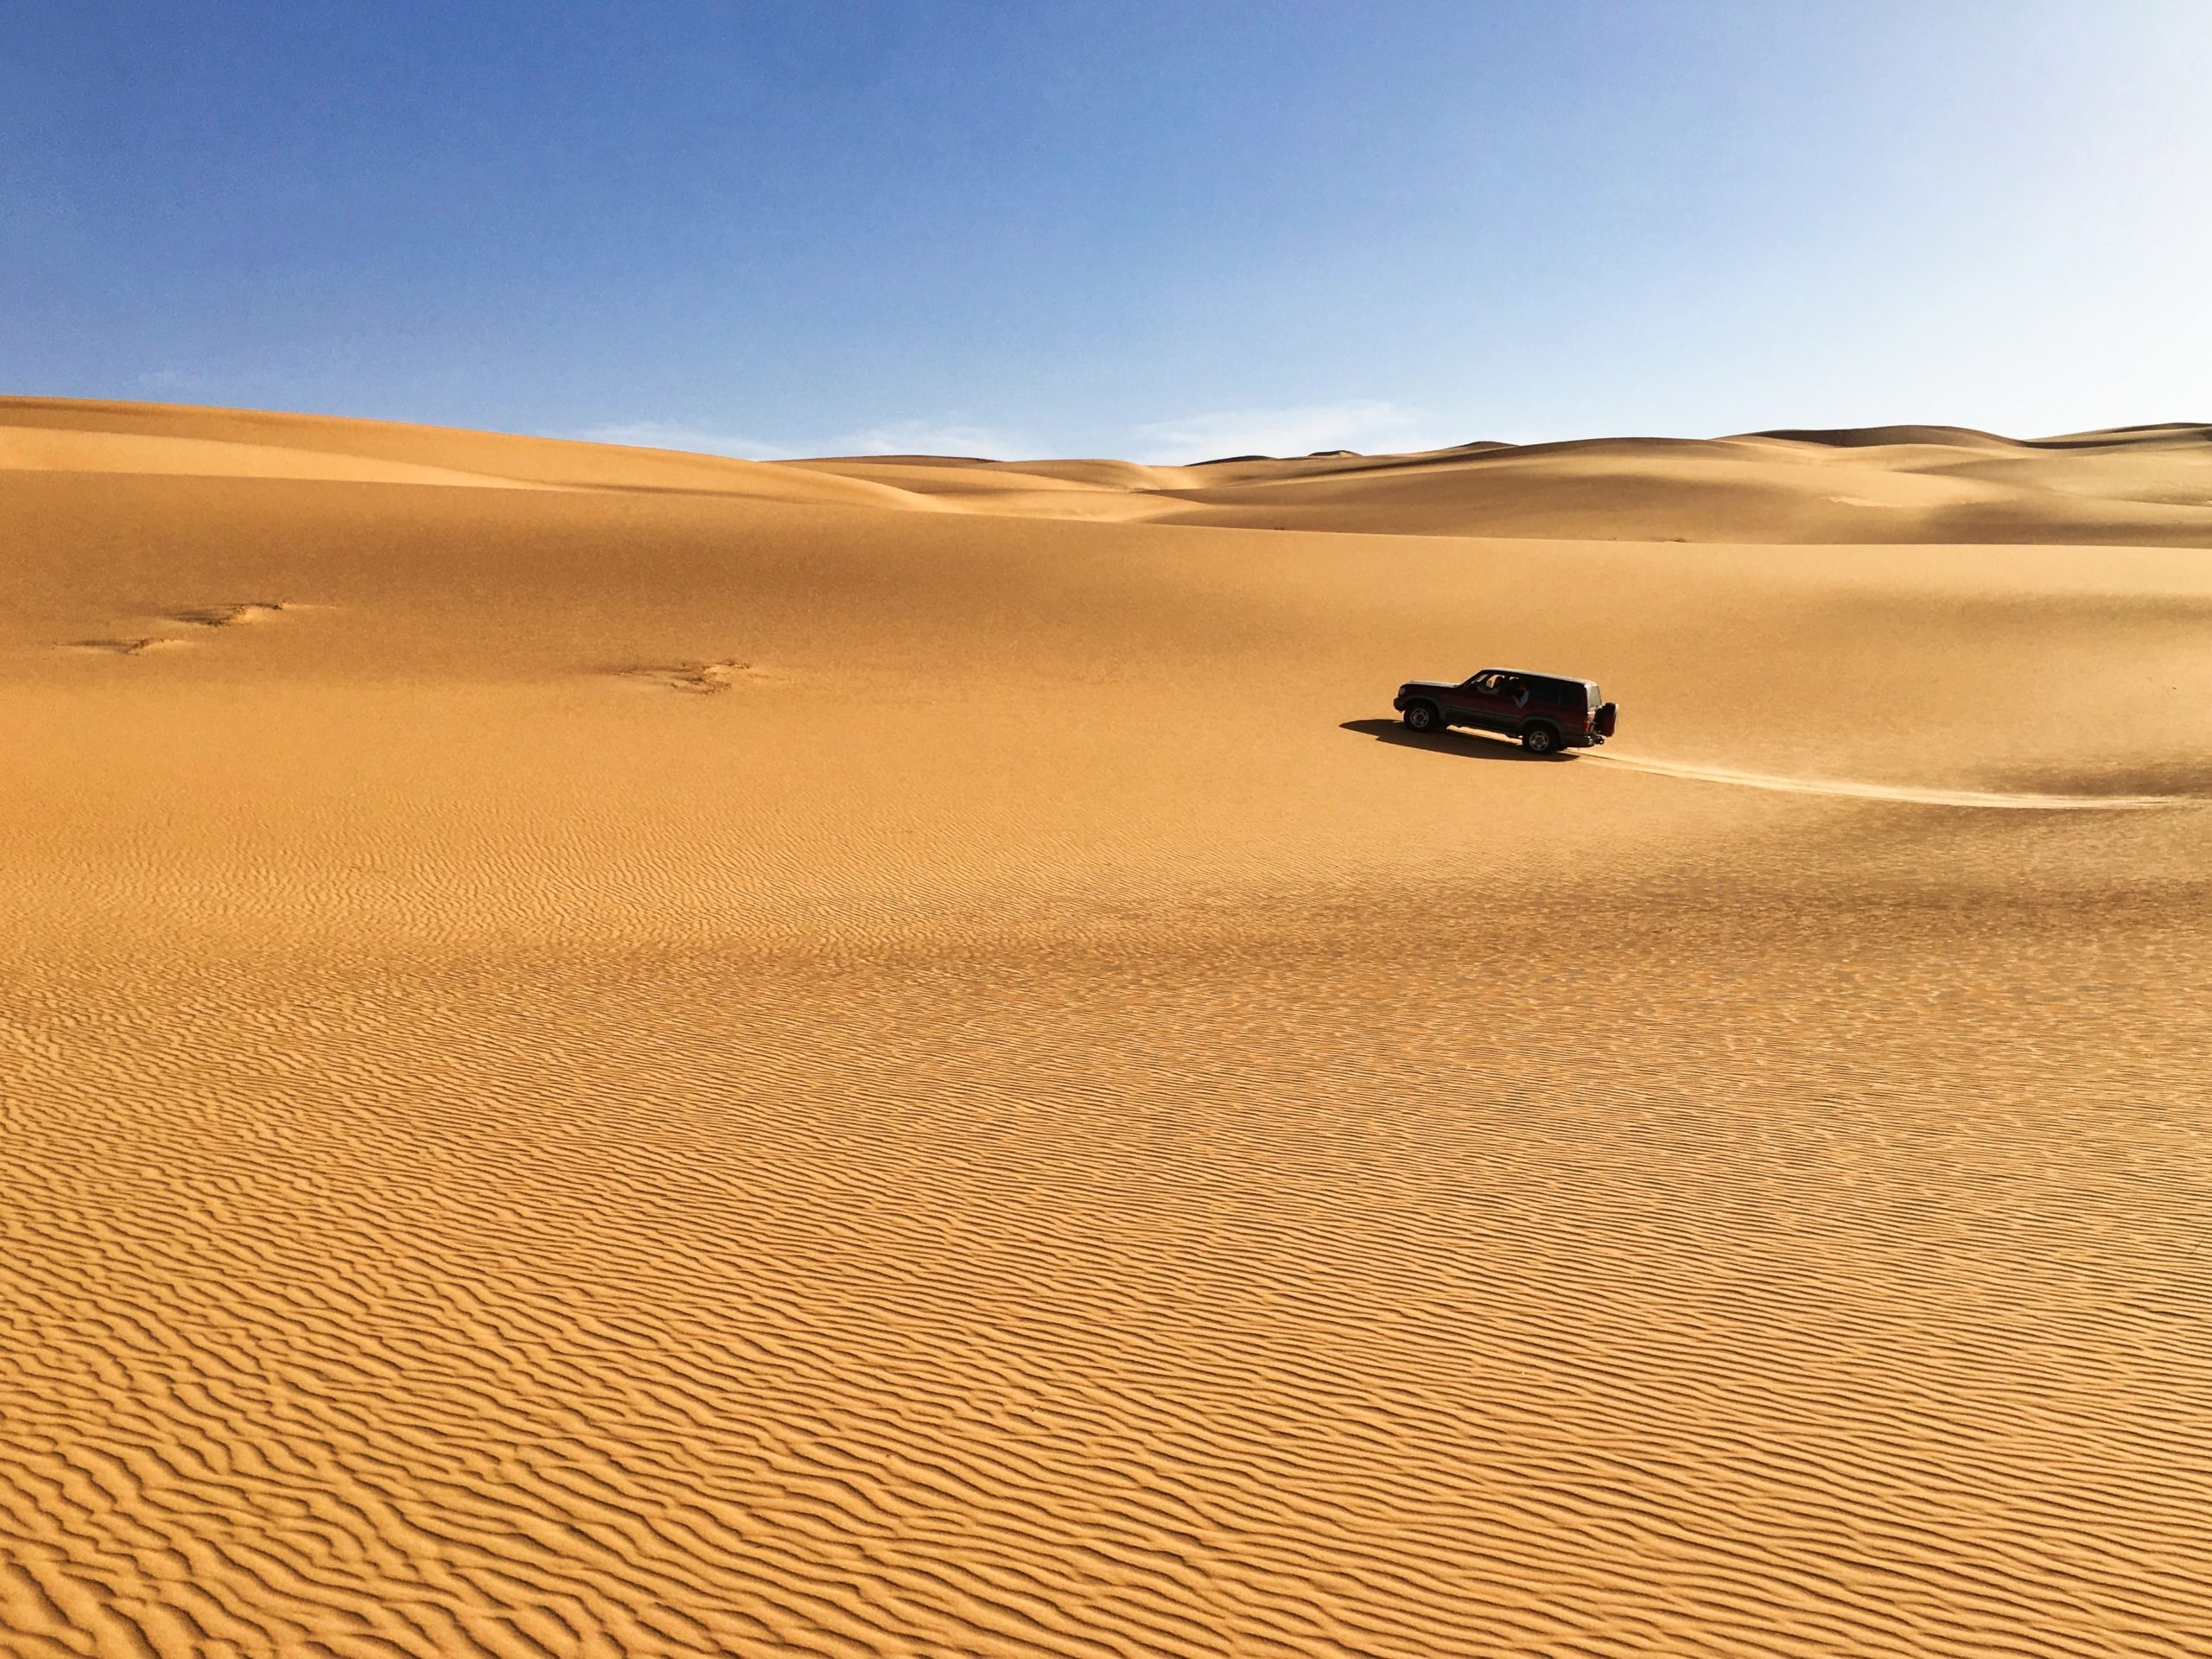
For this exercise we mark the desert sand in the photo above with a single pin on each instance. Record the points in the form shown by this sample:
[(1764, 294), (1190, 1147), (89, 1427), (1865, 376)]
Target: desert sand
[(606, 1051)]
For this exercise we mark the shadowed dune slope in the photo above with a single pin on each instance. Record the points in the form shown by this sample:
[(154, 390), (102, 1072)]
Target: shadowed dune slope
[(613, 1054)]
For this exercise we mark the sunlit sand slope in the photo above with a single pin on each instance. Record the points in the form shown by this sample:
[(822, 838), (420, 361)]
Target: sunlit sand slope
[(612, 1053), (59, 435)]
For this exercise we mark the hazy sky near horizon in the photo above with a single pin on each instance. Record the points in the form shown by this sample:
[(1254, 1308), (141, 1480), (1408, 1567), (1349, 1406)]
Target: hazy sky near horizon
[(1165, 231)]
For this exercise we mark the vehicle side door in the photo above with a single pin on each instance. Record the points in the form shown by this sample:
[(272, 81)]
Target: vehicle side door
[(1478, 702), (1511, 702)]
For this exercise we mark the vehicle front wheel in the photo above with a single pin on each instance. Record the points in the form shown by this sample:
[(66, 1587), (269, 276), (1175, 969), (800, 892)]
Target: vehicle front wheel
[(1540, 739), (1423, 717)]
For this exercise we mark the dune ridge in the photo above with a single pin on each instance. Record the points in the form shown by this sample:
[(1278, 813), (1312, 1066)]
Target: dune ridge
[(2147, 486), (899, 1056)]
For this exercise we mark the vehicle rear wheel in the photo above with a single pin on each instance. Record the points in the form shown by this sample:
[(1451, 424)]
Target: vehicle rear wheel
[(1540, 739), (1423, 717)]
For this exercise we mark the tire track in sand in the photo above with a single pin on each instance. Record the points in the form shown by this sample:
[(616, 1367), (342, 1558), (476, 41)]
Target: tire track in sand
[(2004, 800)]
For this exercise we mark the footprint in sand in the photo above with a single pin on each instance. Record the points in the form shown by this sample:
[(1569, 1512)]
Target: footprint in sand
[(1968, 797), (231, 616), (128, 647), (245, 613), (701, 679)]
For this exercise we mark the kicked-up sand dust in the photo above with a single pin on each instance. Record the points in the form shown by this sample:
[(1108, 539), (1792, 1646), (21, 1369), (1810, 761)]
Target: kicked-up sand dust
[(607, 1053)]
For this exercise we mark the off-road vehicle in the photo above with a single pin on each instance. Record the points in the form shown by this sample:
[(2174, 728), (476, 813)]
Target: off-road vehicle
[(1548, 714)]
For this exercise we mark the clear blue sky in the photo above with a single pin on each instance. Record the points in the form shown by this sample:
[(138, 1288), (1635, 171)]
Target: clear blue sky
[(1165, 230)]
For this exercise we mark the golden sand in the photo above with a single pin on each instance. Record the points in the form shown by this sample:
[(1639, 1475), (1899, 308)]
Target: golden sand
[(613, 1052)]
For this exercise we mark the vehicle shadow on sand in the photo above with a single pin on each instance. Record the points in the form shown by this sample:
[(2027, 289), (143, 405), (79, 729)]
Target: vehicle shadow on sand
[(1475, 745)]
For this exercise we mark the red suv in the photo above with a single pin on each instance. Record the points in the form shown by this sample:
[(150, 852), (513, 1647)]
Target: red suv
[(1546, 713)]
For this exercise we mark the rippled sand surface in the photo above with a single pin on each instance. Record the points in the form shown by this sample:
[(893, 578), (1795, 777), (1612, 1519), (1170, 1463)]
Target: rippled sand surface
[(606, 1053)]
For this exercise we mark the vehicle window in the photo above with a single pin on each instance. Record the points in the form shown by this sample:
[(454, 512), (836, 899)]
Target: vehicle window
[(1485, 682)]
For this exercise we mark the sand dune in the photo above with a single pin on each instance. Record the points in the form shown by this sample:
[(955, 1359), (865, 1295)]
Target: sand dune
[(899, 1057), (2150, 485), (42, 434)]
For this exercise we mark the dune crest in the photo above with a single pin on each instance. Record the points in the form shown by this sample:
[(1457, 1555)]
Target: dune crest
[(2148, 485)]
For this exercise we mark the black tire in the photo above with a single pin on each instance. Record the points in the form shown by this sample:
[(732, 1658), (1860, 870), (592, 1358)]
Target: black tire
[(1424, 717), (1540, 739)]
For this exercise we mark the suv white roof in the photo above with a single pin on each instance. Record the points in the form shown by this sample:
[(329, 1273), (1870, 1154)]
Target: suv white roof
[(1531, 674)]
